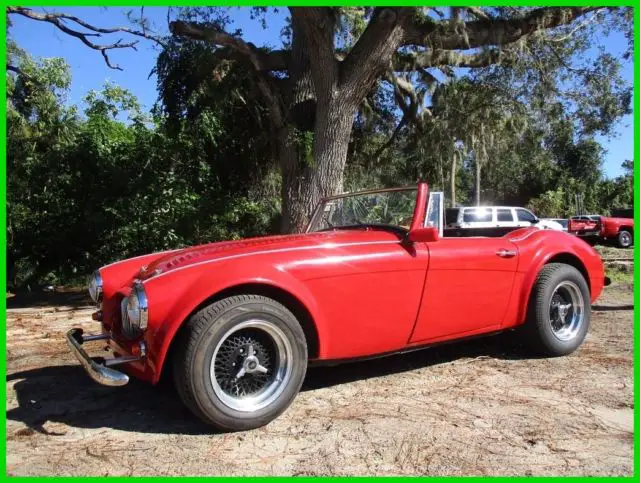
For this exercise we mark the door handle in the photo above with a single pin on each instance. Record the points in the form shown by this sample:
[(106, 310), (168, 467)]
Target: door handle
[(506, 253)]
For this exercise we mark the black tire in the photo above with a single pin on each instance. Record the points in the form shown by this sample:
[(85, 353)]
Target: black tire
[(203, 335), (539, 329), (625, 238)]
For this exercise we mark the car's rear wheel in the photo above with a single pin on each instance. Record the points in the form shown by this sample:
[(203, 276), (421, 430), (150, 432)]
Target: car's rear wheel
[(240, 361), (625, 239), (559, 311)]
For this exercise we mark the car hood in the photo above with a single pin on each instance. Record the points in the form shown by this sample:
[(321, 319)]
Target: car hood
[(228, 249)]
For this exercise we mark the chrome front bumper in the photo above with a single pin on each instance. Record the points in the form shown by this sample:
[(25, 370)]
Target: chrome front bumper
[(98, 371)]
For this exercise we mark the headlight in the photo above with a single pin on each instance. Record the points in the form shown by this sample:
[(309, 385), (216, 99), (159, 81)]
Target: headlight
[(135, 311), (95, 287)]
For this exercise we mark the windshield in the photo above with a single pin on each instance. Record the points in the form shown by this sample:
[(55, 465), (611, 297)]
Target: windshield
[(384, 209)]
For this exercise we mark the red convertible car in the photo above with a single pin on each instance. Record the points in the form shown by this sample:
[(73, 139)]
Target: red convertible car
[(238, 322)]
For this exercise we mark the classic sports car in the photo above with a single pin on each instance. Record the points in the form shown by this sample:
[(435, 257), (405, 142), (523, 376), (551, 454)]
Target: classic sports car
[(238, 322)]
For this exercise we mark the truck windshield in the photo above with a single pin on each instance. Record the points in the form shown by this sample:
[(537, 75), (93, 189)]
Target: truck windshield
[(391, 209)]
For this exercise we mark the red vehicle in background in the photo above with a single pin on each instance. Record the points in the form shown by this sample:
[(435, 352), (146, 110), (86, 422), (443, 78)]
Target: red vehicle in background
[(596, 227)]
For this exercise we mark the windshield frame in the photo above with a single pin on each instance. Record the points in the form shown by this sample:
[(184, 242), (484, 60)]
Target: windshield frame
[(318, 212)]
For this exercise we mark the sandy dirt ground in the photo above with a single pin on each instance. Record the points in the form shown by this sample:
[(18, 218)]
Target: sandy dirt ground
[(474, 408)]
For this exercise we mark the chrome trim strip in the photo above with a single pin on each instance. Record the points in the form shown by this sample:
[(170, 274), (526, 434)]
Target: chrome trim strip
[(98, 372)]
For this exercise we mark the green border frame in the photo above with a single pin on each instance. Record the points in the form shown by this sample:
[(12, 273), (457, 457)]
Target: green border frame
[(238, 3)]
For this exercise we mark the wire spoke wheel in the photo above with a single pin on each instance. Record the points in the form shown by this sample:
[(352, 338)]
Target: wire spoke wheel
[(566, 311), (251, 365)]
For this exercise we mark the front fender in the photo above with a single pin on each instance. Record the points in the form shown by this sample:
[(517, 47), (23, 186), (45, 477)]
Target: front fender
[(119, 274), (175, 295)]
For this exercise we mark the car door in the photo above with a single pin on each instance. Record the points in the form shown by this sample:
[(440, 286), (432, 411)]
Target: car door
[(366, 282), (467, 288)]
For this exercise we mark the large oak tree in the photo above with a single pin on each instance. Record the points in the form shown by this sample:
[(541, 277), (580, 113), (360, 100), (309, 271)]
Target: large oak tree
[(315, 85)]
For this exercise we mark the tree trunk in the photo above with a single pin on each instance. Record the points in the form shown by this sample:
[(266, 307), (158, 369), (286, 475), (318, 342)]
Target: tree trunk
[(340, 87), (309, 180), (319, 171), (294, 138), (477, 182), (454, 162)]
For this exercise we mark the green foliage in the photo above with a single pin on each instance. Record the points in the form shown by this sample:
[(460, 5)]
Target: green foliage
[(303, 140), (618, 274), (103, 181), (87, 190), (202, 98), (552, 204)]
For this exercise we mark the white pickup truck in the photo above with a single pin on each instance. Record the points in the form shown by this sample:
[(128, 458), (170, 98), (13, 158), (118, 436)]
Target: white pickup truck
[(478, 219)]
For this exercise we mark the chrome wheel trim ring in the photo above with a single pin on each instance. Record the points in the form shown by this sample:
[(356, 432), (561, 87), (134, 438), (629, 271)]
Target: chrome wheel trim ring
[(575, 314), (283, 366), (625, 239)]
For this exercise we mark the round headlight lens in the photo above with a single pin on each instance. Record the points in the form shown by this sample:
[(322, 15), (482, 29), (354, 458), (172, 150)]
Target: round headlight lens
[(137, 308), (95, 287)]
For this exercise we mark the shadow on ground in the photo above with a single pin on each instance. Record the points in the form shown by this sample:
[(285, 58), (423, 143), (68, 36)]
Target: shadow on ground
[(65, 394), (71, 297)]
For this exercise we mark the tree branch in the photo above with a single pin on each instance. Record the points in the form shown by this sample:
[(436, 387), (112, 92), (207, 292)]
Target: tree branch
[(485, 32), (578, 27), (402, 90), (19, 71), (478, 13), (403, 122), (318, 26), (260, 60), (371, 54), (59, 21), (405, 62)]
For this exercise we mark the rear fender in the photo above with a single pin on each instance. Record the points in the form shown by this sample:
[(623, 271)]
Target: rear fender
[(537, 253)]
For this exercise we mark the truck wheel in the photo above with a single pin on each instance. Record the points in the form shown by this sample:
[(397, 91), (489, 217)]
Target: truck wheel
[(240, 362), (625, 239), (559, 311)]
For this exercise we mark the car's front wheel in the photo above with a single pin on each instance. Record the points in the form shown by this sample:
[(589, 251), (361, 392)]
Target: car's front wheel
[(559, 310), (240, 361)]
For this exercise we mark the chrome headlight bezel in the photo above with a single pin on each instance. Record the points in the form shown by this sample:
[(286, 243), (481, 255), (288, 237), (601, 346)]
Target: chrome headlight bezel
[(136, 310), (95, 287)]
